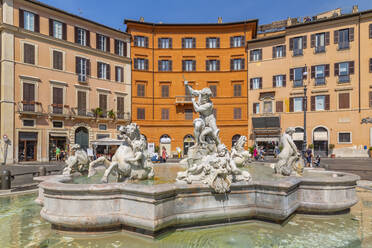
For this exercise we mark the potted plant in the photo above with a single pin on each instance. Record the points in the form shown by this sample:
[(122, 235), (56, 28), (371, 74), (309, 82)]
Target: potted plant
[(370, 151), (98, 112), (111, 114), (331, 147)]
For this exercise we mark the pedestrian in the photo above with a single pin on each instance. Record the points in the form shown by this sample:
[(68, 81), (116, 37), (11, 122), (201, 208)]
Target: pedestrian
[(262, 157), (58, 153), (62, 155), (317, 161), (276, 151), (164, 155), (308, 156), (255, 153)]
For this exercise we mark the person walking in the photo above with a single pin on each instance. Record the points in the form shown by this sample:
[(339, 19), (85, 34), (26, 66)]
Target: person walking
[(308, 156), (276, 151), (58, 153), (164, 155), (262, 151), (255, 153)]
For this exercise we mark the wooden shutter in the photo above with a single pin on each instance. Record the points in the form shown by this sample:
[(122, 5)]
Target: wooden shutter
[(183, 42), (206, 65), (125, 49), (274, 81), (351, 34), (312, 40), (99, 72), (351, 67), (108, 44), (98, 41), (159, 43), (218, 42), (260, 54), (76, 34), (290, 44), (146, 64), (170, 65), (183, 65), (193, 42), (284, 80), (108, 71), (120, 104), (279, 106), (274, 53), (29, 53), (370, 31), (146, 42), (327, 103), (135, 40), (370, 99), (335, 37), (21, 18), (207, 43), (28, 92), (64, 31), (88, 38), (254, 108), (77, 65), (326, 70), (218, 65), (336, 69), (194, 65), (291, 75), (251, 55), (116, 47), (312, 71), (51, 27), (122, 74), (116, 73), (82, 100), (260, 82), (327, 38), (231, 64), (243, 63), (251, 83), (344, 100), (103, 102), (159, 65), (304, 41), (88, 67), (57, 96), (231, 41), (57, 60), (370, 65), (170, 43), (37, 23), (312, 103), (291, 104)]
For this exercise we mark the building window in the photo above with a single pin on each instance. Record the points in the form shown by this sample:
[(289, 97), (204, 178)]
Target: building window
[(237, 41), (28, 100), (188, 43), (103, 43), (120, 48), (82, 103), (279, 106), (57, 105), (165, 65), (57, 29), (82, 68), (237, 90), (140, 90), (297, 76), (165, 91), (256, 108), (141, 41), (319, 41), (256, 55), (28, 123), (279, 51), (213, 88), (120, 107), (81, 36), (164, 43), (237, 113), (344, 100), (279, 81), (102, 101), (165, 114), (188, 114), (213, 42), (28, 53), (57, 124), (370, 99), (268, 107), (188, 65), (319, 103), (256, 83), (343, 37), (119, 74), (29, 20), (237, 64), (102, 127), (297, 44), (103, 70), (57, 60), (298, 104), (212, 65), (319, 72), (344, 137), (102, 136), (141, 64), (343, 71)]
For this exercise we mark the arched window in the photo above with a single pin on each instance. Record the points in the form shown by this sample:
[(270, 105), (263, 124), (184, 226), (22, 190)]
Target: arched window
[(165, 139), (188, 141), (235, 138)]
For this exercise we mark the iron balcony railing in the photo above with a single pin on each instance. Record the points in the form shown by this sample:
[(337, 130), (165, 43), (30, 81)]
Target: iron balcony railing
[(30, 107), (59, 109), (183, 99)]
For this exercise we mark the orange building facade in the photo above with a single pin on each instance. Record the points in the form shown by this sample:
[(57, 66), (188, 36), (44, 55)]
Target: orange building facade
[(206, 55)]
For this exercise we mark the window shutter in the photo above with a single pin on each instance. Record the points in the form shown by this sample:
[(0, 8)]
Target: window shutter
[(37, 23), (304, 69), (99, 73), (279, 106), (50, 27), (32, 54), (146, 42), (251, 83), (370, 99), (291, 104), (64, 31), (135, 40), (116, 73), (135, 65), (274, 81), (304, 41), (312, 103), (76, 35), (218, 42), (170, 65), (122, 74), (183, 65), (116, 47), (251, 55), (159, 65), (336, 69), (159, 42), (326, 70), (290, 44), (351, 67), (194, 65), (108, 45), (327, 102), (170, 43), (88, 38), (344, 101), (284, 80), (55, 58), (351, 34), (260, 54), (207, 42), (98, 41), (291, 76), (274, 54), (312, 40), (77, 67), (261, 83), (231, 41), (231, 64), (21, 18), (108, 72), (218, 65), (313, 71), (88, 67), (193, 42), (327, 38), (370, 65), (254, 108), (284, 50), (206, 65), (146, 64), (370, 31), (243, 64), (183, 42), (335, 37), (125, 49)]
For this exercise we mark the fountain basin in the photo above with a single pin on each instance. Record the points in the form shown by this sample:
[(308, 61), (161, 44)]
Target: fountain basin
[(152, 209)]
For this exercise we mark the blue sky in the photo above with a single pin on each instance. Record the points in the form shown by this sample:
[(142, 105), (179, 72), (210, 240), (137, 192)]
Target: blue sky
[(113, 12)]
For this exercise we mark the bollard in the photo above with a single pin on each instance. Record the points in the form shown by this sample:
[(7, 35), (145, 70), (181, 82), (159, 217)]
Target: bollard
[(5, 180), (42, 171)]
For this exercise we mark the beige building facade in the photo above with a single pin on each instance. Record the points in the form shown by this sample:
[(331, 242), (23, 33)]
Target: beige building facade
[(64, 80), (332, 57)]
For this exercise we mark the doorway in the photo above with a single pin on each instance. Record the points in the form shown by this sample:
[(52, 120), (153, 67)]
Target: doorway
[(320, 140), (54, 142), (27, 146), (82, 137), (188, 141)]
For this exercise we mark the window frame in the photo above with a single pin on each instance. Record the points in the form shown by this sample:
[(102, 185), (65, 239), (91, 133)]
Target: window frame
[(164, 90), (344, 142), (63, 124), (27, 18), (165, 114), (139, 85), (294, 105), (237, 114), (237, 90)]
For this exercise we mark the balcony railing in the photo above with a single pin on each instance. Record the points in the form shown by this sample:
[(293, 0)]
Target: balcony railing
[(59, 110), (320, 49), (125, 116), (183, 100), (81, 112), (30, 107), (344, 78), (297, 52)]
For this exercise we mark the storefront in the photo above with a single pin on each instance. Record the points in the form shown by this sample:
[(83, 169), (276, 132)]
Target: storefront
[(57, 140), (27, 146), (266, 132), (320, 141), (298, 138), (188, 141), (105, 147)]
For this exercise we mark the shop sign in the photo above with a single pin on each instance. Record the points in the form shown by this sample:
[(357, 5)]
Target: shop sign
[(319, 136)]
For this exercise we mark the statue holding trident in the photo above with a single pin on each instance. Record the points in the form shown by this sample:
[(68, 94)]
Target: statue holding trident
[(205, 128)]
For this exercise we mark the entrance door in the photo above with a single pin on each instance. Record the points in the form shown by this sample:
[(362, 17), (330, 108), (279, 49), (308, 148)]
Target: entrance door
[(320, 140), (27, 146), (55, 142), (82, 137), (188, 142)]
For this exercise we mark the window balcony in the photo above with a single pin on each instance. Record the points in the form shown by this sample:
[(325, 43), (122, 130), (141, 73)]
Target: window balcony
[(320, 81), (30, 108), (123, 116), (297, 52), (59, 110), (298, 83), (344, 78), (343, 45), (320, 49), (81, 113), (183, 100)]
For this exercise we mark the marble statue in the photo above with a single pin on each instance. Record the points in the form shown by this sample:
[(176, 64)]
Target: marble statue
[(240, 156), (209, 161), (290, 161), (78, 161), (130, 161)]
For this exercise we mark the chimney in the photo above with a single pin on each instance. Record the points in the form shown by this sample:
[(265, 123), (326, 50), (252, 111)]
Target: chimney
[(142, 19), (219, 19), (355, 9)]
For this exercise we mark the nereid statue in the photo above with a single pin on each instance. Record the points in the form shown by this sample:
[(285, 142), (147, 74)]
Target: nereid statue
[(130, 160), (240, 156), (78, 161), (290, 161), (208, 160)]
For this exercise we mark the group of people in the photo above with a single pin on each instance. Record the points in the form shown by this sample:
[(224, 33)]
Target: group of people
[(259, 153), (163, 158), (310, 160), (60, 154)]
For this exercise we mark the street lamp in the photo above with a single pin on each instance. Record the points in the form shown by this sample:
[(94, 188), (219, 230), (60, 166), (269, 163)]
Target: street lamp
[(304, 145)]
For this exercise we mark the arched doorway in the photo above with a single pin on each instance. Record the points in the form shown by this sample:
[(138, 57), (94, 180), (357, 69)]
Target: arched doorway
[(320, 141), (82, 137), (234, 139), (188, 141), (165, 141), (298, 138)]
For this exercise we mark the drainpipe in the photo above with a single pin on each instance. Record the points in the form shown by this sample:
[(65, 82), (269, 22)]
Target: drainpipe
[(153, 72), (359, 62)]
